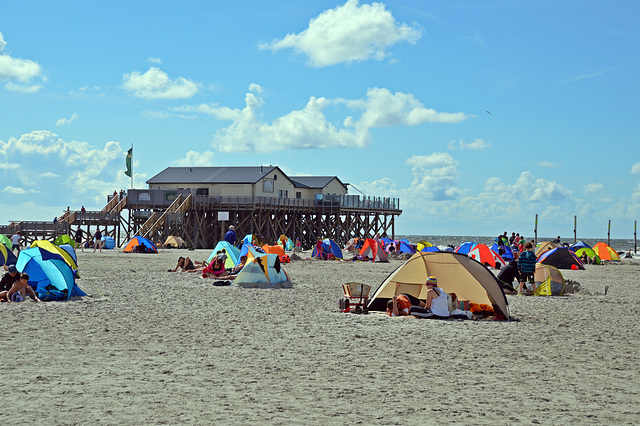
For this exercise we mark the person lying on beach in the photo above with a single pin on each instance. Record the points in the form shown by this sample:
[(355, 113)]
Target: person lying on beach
[(360, 258), (19, 291), (402, 304), (186, 265)]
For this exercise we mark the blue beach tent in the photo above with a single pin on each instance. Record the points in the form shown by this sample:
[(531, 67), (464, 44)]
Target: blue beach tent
[(250, 248), (49, 274), (579, 245), (465, 248), (329, 247), (405, 247)]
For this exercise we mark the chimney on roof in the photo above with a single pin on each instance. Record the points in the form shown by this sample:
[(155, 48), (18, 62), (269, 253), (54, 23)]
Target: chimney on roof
[(261, 169)]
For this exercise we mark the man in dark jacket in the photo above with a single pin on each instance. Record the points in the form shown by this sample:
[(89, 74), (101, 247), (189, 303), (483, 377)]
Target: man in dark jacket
[(230, 236)]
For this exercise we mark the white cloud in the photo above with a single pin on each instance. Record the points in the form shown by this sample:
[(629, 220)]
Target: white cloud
[(475, 145), (592, 187), (309, 127), (156, 84), (383, 108), (545, 164), (635, 169), (17, 191), (67, 121), (196, 159), (348, 33), (9, 166), (152, 60), (434, 177), (591, 75), (81, 170), (18, 72)]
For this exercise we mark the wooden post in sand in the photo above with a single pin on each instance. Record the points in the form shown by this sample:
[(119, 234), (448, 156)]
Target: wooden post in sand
[(609, 234), (575, 229), (535, 230), (635, 234)]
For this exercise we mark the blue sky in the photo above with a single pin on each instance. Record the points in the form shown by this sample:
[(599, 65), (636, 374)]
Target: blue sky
[(476, 114)]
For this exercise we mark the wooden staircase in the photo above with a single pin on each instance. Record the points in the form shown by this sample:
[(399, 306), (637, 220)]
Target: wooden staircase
[(156, 220)]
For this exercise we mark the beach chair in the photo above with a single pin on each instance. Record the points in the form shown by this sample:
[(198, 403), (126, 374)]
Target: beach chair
[(356, 297)]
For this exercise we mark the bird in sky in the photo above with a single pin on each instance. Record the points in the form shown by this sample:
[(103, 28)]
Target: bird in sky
[(488, 113)]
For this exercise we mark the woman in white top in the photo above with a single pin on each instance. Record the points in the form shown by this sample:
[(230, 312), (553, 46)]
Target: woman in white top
[(437, 305)]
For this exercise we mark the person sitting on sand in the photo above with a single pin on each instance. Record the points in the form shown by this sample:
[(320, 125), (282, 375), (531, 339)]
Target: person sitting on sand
[(186, 265), (215, 269), (437, 304), (19, 291), (9, 278), (236, 269), (584, 258)]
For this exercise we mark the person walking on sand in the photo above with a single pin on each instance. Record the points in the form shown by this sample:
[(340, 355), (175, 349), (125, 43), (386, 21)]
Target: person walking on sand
[(230, 236), (15, 241), (97, 240), (78, 238)]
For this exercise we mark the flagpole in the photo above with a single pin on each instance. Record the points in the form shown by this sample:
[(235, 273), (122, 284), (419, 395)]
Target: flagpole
[(131, 165)]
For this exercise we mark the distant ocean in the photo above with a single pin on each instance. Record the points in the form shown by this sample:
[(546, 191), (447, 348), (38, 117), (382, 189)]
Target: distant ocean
[(455, 240)]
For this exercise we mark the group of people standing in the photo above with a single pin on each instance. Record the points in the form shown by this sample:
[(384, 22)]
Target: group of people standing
[(523, 265)]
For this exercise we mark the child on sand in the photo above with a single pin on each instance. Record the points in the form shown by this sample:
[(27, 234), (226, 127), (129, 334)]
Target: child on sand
[(19, 291)]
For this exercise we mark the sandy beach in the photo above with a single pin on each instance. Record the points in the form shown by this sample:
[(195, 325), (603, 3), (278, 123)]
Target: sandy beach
[(153, 347)]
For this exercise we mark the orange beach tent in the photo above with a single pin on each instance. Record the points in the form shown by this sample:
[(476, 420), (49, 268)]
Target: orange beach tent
[(605, 252), (374, 250)]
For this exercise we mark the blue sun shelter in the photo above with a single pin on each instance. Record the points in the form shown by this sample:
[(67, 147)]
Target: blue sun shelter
[(233, 254), (263, 271), (108, 242), (251, 251), (329, 247), (405, 247), (49, 274)]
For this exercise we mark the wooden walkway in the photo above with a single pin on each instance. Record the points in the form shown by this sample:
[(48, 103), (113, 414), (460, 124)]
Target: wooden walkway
[(202, 220)]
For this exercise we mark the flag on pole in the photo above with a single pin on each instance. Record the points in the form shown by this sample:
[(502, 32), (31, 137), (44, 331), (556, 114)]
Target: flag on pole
[(129, 160)]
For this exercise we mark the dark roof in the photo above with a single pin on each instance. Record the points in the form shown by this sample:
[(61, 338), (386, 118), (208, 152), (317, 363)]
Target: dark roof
[(212, 174), (313, 181)]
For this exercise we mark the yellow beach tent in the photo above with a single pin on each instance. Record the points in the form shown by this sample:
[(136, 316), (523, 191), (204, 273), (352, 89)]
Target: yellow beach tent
[(549, 280)]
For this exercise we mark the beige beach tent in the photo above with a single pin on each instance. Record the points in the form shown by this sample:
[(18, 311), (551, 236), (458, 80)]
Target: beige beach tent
[(456, 273), (173, 241), (549, 280), (547, 245)]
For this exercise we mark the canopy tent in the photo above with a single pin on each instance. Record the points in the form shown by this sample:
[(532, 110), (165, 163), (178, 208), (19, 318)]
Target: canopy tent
[(138, 241), (50, 247), (263, 270), (507, 253), (580, 244), (286, 242), (108, 242), (592, 255), (486, 256), (561, 258), (456, 273), (233, 254), (174, 241), (6, 256), (549, 281), (545, 246), (64, 239), (373, 250), (465, 247), (329, 247), (605, 252), (4, 240), (49, 274)]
